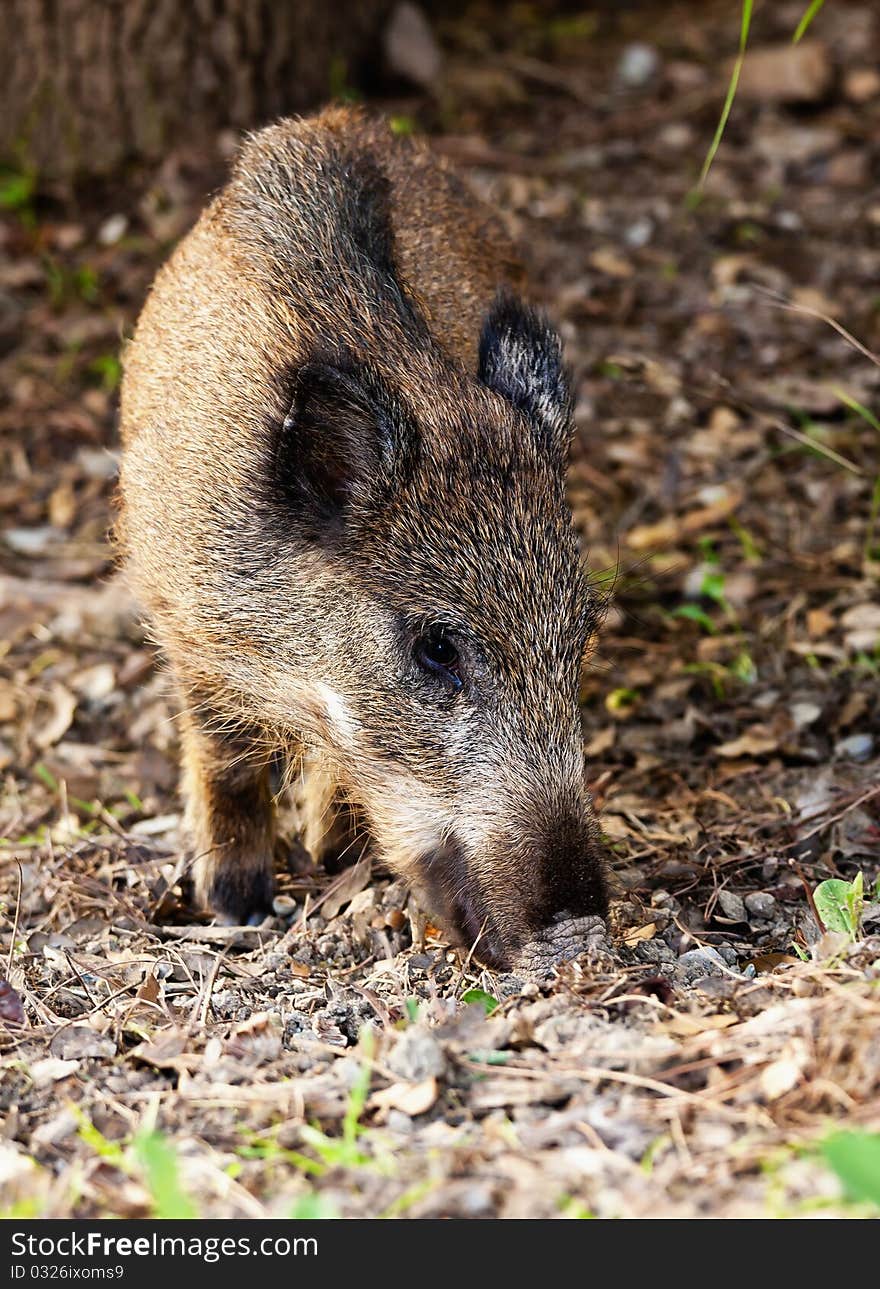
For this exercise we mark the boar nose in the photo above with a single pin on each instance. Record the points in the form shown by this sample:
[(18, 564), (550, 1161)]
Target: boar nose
[(569, 876)]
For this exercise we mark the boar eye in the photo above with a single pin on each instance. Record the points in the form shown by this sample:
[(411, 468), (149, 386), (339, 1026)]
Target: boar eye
[(435, 652)]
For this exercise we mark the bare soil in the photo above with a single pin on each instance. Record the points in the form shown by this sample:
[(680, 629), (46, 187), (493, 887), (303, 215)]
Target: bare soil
[(692, 1061)]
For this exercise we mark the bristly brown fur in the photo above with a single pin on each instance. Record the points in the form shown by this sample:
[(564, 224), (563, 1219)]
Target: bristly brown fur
[(344, 438)]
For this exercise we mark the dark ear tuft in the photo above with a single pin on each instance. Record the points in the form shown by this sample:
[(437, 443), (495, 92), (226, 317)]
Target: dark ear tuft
[(345, 440), (521, 359)]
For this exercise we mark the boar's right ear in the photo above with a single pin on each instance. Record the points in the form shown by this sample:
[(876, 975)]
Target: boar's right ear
[(343, 444), (521, 359)]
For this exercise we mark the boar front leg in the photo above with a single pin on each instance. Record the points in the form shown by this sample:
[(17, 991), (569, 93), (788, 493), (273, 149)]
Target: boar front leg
[(229, 818), (331, 828)]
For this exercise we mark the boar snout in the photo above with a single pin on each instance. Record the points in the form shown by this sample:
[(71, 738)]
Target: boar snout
[(497, 900)]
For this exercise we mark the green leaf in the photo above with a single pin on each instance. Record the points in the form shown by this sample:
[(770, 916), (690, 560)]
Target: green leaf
[(743, 667), (16, 190), (312, 1206), (855, 1158), (694, 613), (486, 1001), (619, 699), (832, 900), (712, 586), (96, 1141), (158, 1160)]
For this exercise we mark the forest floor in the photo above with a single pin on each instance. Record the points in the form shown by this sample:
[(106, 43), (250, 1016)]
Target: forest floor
[(335, 1060)]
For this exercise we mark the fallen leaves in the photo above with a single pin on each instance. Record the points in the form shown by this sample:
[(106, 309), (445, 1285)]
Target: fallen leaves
[(787, 73), (672, 530), (711, 770), (11, 1009), (757, 741), (638, 933), (63, 708), (411, 1099), (785, 1073)]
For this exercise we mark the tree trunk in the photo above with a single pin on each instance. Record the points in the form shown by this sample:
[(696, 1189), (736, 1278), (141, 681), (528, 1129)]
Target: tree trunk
[(85, 84)]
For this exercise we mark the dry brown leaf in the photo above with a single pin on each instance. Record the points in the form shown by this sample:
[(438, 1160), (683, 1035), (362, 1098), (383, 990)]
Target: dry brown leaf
[(602, 741), (785, 1073), (767, 962), (51, 1069), (758, 741), (609, 262), (685, 1026), (637, 933), (347, 886), (167, 1053), (861, 625), (786, 73), (149, 990), (11, 1009), (669, 531), (8, 705), (410, 1098), (819, 623), (95, 683), (60, 719)]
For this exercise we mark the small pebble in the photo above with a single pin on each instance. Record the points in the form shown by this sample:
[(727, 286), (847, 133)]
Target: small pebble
[(857, 747), (770, 867), (760, 904), (704, 961), (732, 906), (805, 714), (113, 230), (417, 1056), (639, 64), (639, 233)]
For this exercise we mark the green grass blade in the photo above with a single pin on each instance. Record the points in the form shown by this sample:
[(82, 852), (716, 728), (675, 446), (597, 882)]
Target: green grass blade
[(808, 17), (854, 406), (745, 26), (158, 1160)]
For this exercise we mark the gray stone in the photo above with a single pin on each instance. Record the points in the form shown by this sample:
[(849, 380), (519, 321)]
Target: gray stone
[(760, 904), (732, 906), (639, 233), (857, 747), (696, 963), (639, 64), (805, 714), (416, 1056)]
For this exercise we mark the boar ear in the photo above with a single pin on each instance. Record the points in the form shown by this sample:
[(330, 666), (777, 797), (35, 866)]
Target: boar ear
[(521, 359), (345, 440)]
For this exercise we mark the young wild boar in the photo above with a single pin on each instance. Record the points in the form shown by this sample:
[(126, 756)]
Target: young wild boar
[(343, 506)]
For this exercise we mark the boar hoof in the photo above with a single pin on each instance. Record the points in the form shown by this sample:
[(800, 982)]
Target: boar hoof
[(237, 897)]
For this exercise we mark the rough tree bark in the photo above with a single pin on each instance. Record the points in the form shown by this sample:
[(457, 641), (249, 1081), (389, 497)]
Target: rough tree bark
[(87, 83)]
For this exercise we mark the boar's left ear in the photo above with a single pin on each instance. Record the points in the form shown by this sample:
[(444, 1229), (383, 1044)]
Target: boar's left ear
[(521, 359), (346, 440)]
